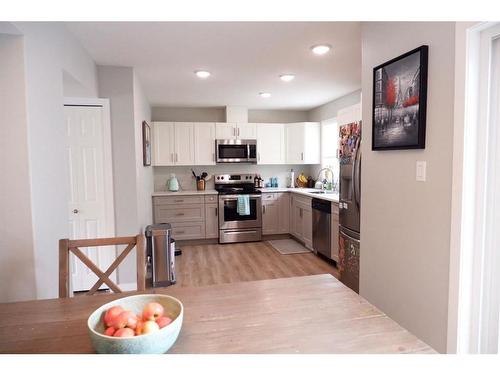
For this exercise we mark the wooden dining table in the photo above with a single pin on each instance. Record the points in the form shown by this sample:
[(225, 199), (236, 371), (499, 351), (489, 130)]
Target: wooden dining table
[(310, 314)]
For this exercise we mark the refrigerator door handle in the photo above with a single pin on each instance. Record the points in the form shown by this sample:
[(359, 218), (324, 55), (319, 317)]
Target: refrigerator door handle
[(357, 192)]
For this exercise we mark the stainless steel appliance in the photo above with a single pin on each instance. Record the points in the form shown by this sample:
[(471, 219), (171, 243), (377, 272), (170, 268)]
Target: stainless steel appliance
[(236, 151), (350, 204), (322, 226), (234, 227), (160, 255)]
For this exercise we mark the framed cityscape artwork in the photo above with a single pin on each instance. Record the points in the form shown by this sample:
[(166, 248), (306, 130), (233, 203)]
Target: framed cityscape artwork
[(399, 102), (146, 144)]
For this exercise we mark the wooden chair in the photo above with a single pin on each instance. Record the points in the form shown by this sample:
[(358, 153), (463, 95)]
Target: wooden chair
[(66, 246)]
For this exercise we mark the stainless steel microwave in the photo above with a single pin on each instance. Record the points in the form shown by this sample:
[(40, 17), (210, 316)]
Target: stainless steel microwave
[(236, 151)]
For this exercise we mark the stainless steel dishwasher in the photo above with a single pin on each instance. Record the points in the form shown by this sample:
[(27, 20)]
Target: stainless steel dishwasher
[(322, 226)]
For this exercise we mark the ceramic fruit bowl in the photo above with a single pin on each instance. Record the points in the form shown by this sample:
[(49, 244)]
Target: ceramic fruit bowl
[(157, 342)]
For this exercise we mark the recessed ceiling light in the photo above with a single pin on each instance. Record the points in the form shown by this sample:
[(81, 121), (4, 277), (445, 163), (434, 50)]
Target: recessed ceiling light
[(321, 49), (202, 74), (287, 77), (264, 94)]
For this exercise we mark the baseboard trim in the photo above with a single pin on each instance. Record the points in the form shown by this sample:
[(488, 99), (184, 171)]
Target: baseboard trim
[(127, 287)]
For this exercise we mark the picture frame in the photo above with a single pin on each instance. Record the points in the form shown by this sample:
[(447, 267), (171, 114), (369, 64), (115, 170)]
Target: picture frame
[(400, 102), (146, 144)]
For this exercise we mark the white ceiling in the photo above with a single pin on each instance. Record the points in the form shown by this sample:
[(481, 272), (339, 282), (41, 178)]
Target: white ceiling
[(245, 58)]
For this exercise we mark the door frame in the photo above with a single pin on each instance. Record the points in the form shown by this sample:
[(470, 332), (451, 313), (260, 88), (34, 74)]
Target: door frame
[(468, 277), (109, 228)]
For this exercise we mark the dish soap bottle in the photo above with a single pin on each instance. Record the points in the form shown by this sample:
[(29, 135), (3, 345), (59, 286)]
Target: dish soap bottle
[(173, 183)]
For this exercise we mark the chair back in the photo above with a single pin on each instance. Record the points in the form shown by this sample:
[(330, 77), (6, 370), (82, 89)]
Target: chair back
[(66, 246)]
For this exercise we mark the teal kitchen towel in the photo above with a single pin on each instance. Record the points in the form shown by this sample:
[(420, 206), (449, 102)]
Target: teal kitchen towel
[(243, 208)]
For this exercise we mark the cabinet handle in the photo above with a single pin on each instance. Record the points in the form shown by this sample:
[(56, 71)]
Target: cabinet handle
[(213, 156), (264, 209), (180, 214), (176, 157), (180, 232), (302, 156), (301, 212), (179, 200), (258, 156), (216, 211), (238, 132), (234, 132), (172, 157)]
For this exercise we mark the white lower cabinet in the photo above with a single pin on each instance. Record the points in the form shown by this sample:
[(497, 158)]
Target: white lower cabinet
[(191, 216), (275, 213), (301, 220), (211, 221)]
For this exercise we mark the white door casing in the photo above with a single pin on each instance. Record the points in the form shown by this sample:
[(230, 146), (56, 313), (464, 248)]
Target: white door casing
[(90, 206)]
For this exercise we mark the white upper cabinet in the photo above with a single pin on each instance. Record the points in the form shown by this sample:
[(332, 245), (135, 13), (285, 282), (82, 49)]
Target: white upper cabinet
[(303, 143), (184, 143), (204, 143), (232, 130), (270, 143), (173, 143), (225, 130), (246, 131), (163, 143)]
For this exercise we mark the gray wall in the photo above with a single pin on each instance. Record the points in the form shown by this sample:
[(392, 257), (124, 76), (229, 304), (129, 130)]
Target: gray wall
[(329, 110), (117, 84), (187, 114), (405, 224), (277, 116), (16, 239)]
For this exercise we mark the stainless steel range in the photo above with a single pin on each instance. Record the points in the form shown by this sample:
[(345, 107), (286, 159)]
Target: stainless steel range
[(233, 226)]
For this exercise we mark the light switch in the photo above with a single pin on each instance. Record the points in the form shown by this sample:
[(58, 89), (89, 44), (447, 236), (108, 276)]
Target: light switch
[(421, 170)]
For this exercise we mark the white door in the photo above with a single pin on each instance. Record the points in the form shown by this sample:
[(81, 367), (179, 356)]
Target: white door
[(163, 143), (225, 130), (184, 143), (204, 143), (89, 176), (246, 131), (270, 144)]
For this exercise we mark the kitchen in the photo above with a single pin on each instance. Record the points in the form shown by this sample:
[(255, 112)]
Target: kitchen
[(244, 152)]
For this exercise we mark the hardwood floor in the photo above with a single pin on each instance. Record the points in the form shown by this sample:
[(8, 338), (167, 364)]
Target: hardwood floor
[(209, 264)]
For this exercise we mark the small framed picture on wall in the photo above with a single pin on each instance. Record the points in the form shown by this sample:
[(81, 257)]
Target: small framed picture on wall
[(146, 144)]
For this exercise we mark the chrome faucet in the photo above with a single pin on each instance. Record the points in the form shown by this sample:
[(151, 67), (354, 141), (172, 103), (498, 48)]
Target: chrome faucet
[(325, 180)]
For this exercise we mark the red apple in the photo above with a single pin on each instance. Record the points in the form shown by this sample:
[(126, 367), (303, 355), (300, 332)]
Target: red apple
[(124, 332), (152, 311), (125, 319), (150, 326), (139, 328), (111, 314), (163, 321), (110, 331)]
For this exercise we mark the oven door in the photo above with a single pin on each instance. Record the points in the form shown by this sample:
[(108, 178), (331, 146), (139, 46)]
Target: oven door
[(229, 217)]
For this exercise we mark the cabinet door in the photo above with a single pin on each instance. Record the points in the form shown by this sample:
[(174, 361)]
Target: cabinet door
[(270, 214), (335, 232), (270, 144), (246, 130), (284, 212), (184, 143), (307, 227), (225, 130), (211, 221), (294, 144), (312, 142), (204, 143), (163, 143), (297, 229)]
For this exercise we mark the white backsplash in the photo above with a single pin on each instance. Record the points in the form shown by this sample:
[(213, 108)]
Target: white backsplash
[(187, 181)]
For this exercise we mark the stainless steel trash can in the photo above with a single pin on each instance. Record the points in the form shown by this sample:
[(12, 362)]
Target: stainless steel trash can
[(160, 256)]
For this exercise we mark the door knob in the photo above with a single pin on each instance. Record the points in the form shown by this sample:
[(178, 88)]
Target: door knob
[(75, 211)]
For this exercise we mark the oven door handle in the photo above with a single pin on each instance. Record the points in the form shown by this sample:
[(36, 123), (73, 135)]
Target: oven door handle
[(231, 197)]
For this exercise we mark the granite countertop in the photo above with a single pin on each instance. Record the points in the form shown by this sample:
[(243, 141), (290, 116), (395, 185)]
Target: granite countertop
[(332, 197), (184, 192)]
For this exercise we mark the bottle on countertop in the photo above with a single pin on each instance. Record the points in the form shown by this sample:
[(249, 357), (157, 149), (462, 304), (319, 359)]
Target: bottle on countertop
[(291, 179)]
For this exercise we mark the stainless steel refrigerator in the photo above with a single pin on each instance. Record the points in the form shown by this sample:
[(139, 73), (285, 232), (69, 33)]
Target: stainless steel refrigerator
[(350, 204)]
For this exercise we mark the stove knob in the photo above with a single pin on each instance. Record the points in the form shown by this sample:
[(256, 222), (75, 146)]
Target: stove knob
[(222, 178), (218, 178)]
